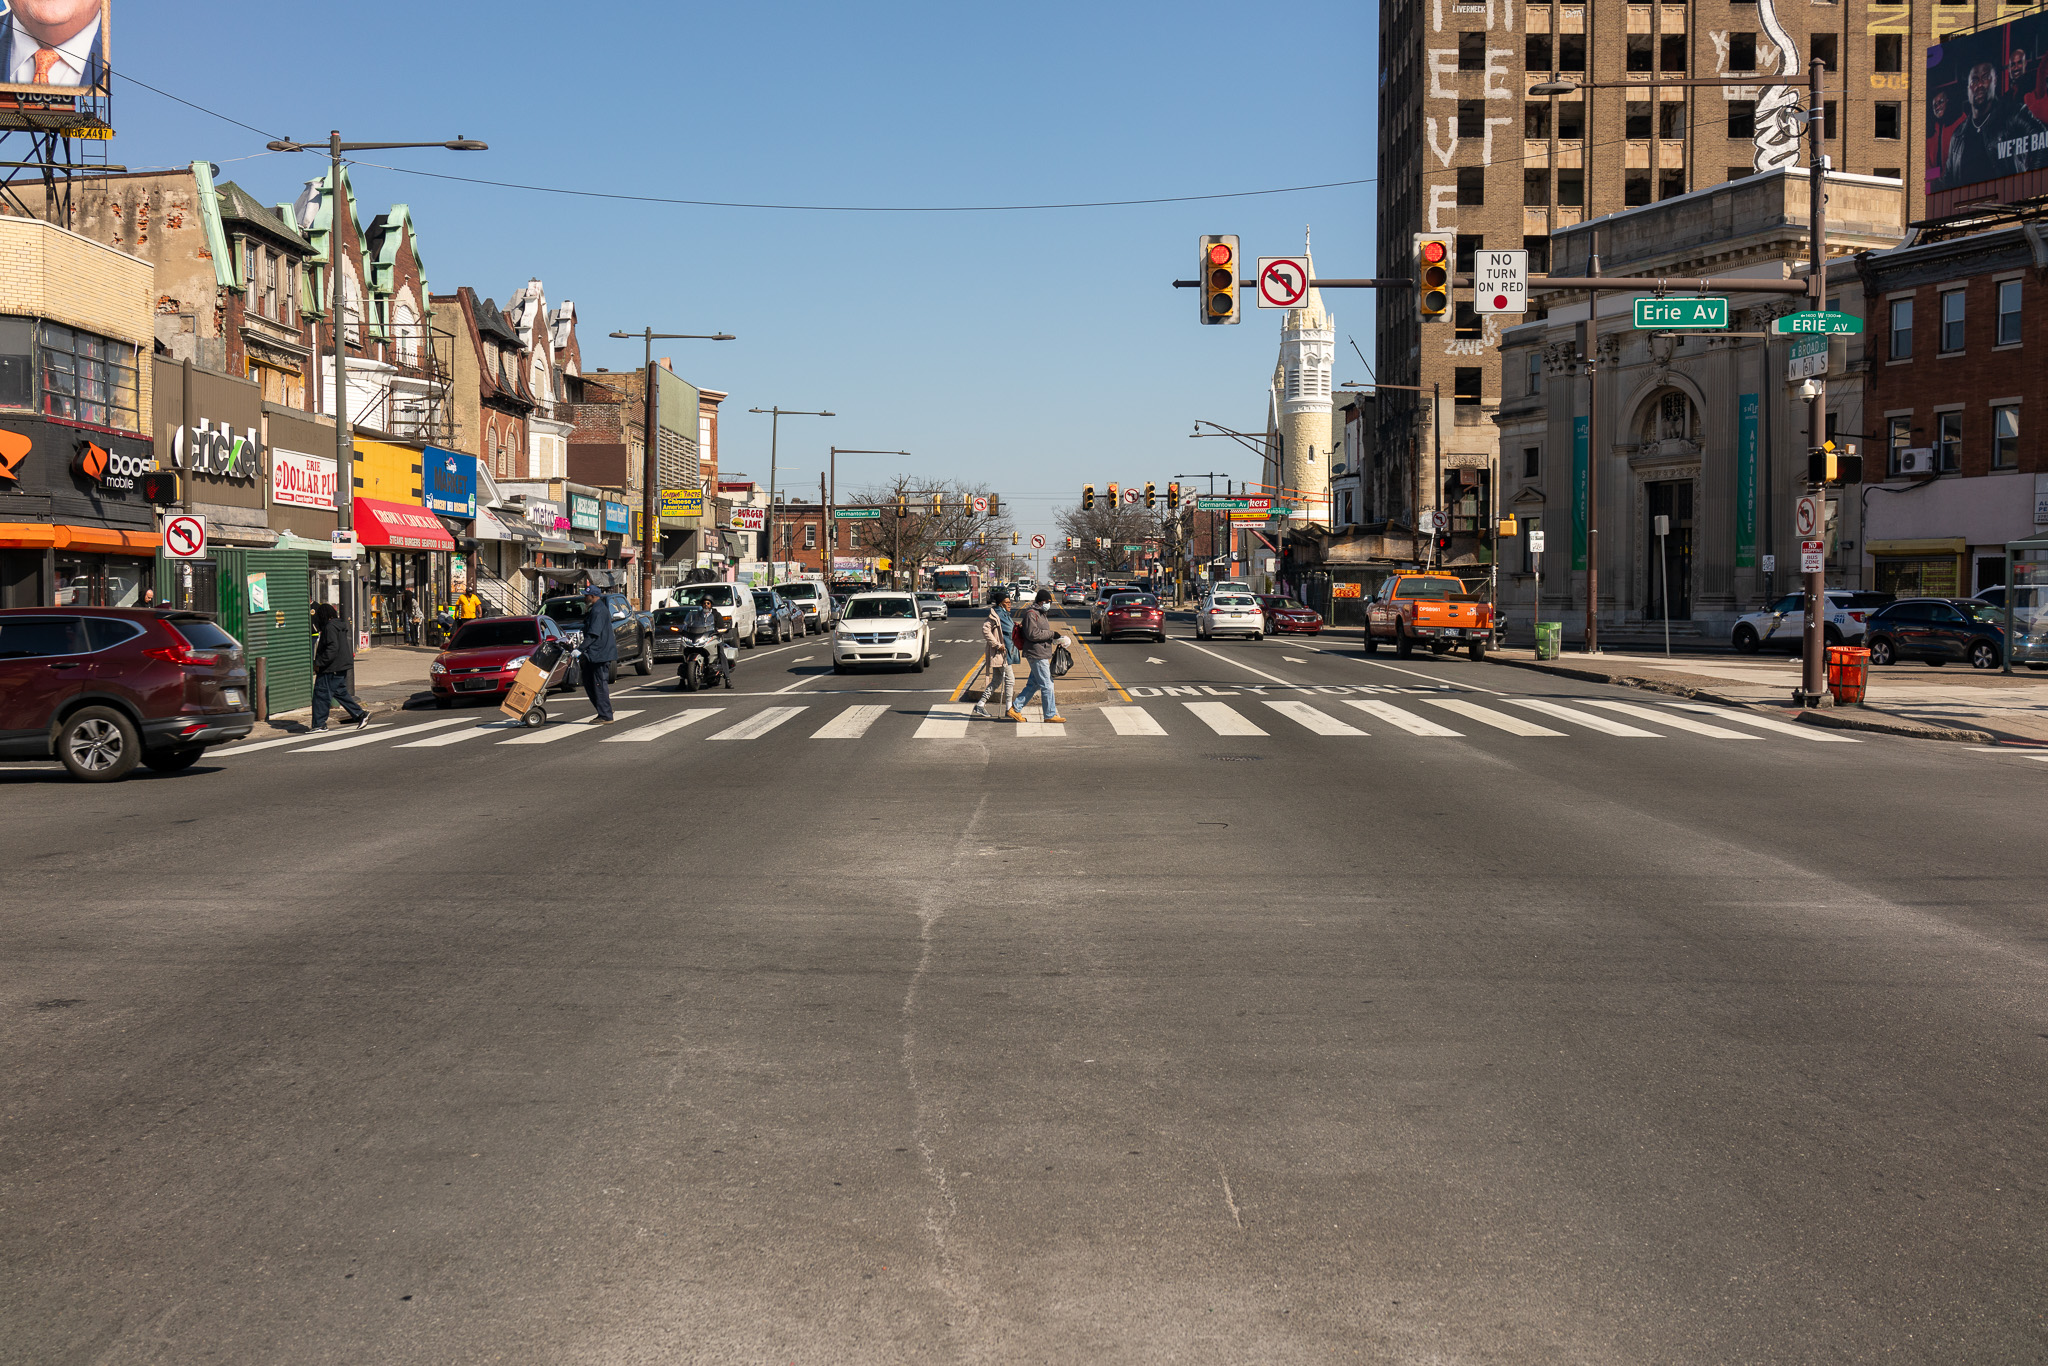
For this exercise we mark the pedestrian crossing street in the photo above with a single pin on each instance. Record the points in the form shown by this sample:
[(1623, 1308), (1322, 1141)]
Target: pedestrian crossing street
[(1333, 719)]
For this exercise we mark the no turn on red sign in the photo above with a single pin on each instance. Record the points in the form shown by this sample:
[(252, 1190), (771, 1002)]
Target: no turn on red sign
[(1283, 281), (1500, 282)]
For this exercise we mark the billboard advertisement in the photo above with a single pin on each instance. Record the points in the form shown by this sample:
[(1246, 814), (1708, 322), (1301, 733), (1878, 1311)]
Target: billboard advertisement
[(451, 481), (1987, 107), (55, 47)]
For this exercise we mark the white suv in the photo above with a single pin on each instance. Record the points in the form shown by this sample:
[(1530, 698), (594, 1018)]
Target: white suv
[(1782, 625), (881, 629), (812, 599)]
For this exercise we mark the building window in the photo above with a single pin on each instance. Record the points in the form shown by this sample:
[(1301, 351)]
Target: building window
[(1465, 321), (1902, 329), (2005, 437), (1952, 320), (1536, 52), (89, 378), (1739, 172), (1670, 184), (1532, 461), (1671, 56), (2008, 312), (1639, 52), (1471, 186), (1900, 436), (1635, 119), (1535, 374), (1571, 189), (1742, 52), (17, 363), (1535, 120), (1469, 246), (810, 535), (1888, 53), (1571, 52), (1471, 52), (1539, 254), (1948, 441), (1571, 119), (1821, 47), (1671, 119), (1535, 189), (1885, 172), (1885, 122), (1471, 118), (1827, 119), (1465, 386), (1742, 119), (1635, 187)]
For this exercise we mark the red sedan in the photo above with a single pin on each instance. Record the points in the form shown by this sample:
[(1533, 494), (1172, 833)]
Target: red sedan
[(1285, 616), (484, 657), (1132, 614)]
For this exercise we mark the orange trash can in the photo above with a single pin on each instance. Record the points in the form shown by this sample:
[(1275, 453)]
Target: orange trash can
[(1848, 671)]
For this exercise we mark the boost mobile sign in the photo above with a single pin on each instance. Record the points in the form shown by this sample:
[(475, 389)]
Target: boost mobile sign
[(217, 451)]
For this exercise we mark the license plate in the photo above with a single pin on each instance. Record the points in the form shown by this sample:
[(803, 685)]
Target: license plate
[(233, 695)]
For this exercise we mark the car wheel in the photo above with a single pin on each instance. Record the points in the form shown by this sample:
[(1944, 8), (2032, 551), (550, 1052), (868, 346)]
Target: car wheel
[(1258, 635), (1881, 652), (1372, 644), (1476, 653), (1984, 655), (1437, 647), (173, 760), (612, 671), (839, 668), (1745, 640), (644, 665), (1830, 637), (1403, 646), (98, 744), (1161, 638), (1934, 662)]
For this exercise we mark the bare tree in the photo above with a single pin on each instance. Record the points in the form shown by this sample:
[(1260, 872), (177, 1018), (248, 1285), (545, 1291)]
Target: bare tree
[(915, 538), (1121, 525)]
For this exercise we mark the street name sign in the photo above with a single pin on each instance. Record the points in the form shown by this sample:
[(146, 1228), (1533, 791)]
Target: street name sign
[(1500, 282), (1830, 324), (1664, 314), (1213, 503), (1283, 281), (185, 537), (1809, 357), (856, 514)]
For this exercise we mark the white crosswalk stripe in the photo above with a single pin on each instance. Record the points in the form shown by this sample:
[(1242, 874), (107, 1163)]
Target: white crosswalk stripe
[(645, 734), (1321, 722), (1222, 718), (850, 724), (304, 737), (945, 721), (1398, 716), (373, 737), (1666, 719), (1132, 721), (548, 735), (456, 737), (1605, 725), (759, 724), (1487, 716), (1031, 728), (1769, 723)]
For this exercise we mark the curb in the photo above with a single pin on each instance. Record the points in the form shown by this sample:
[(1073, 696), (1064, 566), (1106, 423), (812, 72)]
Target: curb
[(1835, 718)]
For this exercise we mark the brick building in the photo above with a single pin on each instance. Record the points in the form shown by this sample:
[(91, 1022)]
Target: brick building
[(1465, 148)]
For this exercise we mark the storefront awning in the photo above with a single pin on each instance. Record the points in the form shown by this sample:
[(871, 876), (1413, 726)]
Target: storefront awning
[(493, 524), (395, 526), (59, 536)]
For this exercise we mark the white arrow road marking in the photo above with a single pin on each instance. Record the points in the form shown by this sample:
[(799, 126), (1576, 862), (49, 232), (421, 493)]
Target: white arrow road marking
[(1292, 660), (1154, 659)]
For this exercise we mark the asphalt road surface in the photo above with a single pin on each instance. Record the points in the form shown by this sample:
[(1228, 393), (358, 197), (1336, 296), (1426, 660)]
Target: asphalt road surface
[(1304, 1007)]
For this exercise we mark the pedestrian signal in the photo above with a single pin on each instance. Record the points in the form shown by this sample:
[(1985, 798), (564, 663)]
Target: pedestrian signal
[(1151, 497), (1433, 258), (1826, 465), (1173, 497), (1087, 501), (161, 487), (1218, 275)]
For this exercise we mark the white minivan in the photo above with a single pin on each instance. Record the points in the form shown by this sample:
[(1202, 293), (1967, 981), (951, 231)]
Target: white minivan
[(813, 600), (733, 602)]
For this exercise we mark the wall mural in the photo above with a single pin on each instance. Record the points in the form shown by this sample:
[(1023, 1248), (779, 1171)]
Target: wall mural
[(1777, 106)]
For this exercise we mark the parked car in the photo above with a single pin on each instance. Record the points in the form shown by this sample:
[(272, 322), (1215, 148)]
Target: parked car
[(101, 689), (1132, 614), (484, 656), (1286, 616), (630, 628), (2029, 621), (1231, 613), (932, 607), (733, 602), (1782, 625), (1230, 586), (776, 616), (1937, 630), (881, 628), (818, 605)]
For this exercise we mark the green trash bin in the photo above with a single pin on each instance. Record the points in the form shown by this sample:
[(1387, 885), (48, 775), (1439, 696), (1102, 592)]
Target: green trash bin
[(1549, 634)]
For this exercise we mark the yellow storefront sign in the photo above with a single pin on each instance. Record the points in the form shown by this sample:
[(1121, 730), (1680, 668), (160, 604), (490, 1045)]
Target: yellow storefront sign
[(682, 502)]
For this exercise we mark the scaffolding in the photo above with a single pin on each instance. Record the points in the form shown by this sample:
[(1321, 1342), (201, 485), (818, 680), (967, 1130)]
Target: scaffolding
[(60, 141)]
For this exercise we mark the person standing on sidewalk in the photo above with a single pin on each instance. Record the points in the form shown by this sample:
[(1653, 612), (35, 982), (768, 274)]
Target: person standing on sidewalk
[(600, 652), (469, 606), (1040, 640), (333, 654), (998, 651)]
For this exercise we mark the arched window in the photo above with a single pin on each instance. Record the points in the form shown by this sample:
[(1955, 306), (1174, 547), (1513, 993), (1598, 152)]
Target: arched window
[(405, 327), (1670, 417)]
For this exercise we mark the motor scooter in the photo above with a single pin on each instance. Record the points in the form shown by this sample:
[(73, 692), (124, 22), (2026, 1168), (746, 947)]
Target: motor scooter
[(701, 657)]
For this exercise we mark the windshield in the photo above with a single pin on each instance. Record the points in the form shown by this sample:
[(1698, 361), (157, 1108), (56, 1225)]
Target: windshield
[(697, 594), (677, 617), (764, 602), (485, 635), (568, 611), (953, 583), (1983, 611), (1234, 600), (797, 590), (872, 609), (1412, 587)]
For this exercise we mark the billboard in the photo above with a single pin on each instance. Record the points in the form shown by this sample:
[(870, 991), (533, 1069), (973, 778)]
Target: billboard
[(451, 481), (55, 47), (1987, 108)]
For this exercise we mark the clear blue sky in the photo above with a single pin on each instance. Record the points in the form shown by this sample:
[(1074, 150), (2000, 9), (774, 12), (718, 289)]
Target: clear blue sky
[(1035, 351)]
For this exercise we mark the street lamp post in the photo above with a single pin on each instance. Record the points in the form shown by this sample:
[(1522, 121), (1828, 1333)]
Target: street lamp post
[(344, 445), (832, 502), (650, 522), (774, 430)]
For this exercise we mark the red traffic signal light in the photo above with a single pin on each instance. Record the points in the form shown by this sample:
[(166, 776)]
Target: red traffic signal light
[(1433, 257), (1218, 275)]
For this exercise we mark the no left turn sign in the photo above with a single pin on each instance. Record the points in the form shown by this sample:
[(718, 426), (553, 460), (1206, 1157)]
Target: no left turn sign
[(185, 537), (1283, 281), (1038, 542)]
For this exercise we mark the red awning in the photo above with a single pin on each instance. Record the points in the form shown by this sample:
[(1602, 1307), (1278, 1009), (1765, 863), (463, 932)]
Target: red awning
[(399, 527)]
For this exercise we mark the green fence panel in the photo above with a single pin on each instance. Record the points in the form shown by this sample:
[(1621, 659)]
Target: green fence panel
[(279, 632)]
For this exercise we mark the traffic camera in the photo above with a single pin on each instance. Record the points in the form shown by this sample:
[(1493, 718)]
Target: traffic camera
[(1433, 258), (1218, 275), (1088, 497)]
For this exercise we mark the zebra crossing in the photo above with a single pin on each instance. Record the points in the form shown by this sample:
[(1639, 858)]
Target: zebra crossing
[(1333, 720)]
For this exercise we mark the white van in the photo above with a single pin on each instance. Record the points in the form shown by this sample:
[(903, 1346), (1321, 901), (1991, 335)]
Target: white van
[(734, 603), (813, 600)]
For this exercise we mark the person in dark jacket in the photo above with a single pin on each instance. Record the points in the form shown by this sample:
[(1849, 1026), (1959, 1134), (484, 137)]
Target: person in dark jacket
[(332, 656), (600, 652), (1040, 640)]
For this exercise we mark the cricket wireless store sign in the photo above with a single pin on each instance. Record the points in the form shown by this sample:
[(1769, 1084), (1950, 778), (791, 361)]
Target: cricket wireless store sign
[(218, 452)]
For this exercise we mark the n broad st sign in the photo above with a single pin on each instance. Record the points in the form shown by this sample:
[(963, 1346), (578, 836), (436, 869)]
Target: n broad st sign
[(1679, 314)]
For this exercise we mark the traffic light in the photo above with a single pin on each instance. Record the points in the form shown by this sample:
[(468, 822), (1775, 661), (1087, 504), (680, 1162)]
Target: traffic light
[(1113, 496), (1013, 538), (995, 505), (1433, 259), (1151, 497), (1088, 497), (1218, 275), (902, 506), (1173, 497), (938, 504), (161, 487), (1826, 465)]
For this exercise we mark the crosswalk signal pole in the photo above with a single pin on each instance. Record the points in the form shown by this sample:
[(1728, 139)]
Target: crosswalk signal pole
[(1813, 671)]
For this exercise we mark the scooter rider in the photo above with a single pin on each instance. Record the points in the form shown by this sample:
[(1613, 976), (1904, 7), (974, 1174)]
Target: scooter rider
[(705, 621)]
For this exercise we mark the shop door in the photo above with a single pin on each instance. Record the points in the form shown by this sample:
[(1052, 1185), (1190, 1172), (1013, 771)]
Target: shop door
[(1669, 556)]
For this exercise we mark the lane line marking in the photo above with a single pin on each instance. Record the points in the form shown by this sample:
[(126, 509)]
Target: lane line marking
[(1814, 733), (547, 735), (1431, 677), (759, 724), (1228, 660), (1605, 725), (373, 736), (1105, 672), (642, 734), (850, 724), (1321, 722), (1132, 721), (1665, 718), (1222, 718), (1487, 716)]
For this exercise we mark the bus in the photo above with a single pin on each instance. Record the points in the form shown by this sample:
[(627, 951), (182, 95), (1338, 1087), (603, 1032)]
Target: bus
[(958, 584)]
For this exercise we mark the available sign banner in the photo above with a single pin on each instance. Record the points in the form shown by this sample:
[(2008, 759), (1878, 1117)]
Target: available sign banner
[(1581, 435), (1745, 481), (305, 481)]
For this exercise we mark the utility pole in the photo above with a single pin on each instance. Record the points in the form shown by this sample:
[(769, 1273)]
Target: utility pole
[(774, 430), (1813, 670), (650, 521), (1590, 350)]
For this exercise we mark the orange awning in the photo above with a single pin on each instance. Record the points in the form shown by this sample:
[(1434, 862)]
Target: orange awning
[(59, 536)]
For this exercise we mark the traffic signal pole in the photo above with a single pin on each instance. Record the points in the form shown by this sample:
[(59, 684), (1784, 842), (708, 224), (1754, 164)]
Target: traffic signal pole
[(1813, 671)]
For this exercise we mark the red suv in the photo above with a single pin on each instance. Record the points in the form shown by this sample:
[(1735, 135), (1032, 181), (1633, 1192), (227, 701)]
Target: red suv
[(484, 658), (102, 688)]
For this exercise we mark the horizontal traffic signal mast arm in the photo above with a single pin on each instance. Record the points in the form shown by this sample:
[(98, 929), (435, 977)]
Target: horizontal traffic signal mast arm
[(1658, 284), (1380, 282)]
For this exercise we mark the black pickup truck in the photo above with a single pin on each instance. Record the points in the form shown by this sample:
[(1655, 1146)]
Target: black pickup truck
[(632, 629)]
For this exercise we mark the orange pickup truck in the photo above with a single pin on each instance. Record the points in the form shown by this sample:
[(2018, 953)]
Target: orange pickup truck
[(1428, 609)]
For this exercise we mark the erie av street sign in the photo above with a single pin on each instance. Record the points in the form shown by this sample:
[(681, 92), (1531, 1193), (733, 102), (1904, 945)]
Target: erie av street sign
[(1830, 324), (1662, 314)]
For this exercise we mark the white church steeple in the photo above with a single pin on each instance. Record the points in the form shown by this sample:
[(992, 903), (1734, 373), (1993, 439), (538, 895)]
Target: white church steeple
[(1301, 403)]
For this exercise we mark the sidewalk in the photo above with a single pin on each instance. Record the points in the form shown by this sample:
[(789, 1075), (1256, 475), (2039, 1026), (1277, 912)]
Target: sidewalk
[(1951, 703)]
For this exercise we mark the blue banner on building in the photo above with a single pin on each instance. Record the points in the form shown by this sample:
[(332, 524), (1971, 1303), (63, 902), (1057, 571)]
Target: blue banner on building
[(450, 482), (1745, 481), (1580, 436), (617, 518)]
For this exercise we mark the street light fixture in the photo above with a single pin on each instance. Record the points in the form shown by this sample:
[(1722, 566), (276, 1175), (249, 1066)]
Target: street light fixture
[(650, 521), (774, 430), (344, 444)]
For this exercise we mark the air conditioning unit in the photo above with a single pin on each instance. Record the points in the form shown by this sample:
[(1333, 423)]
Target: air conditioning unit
[(1915, 460)]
